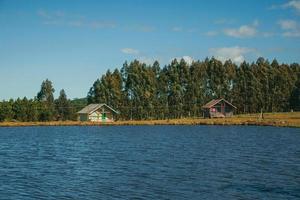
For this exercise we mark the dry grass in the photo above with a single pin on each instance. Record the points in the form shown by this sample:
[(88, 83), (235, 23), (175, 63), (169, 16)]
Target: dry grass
[(291, 119)]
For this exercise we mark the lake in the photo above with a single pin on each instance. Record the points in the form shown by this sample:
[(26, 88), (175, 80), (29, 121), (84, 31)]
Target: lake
[(150, 162)]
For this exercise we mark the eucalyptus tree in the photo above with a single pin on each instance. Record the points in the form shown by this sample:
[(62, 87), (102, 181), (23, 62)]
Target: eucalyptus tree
[(46, 98)]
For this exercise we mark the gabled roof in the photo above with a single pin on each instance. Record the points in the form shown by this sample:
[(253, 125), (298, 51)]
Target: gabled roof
[(216, 101), (93, 107)]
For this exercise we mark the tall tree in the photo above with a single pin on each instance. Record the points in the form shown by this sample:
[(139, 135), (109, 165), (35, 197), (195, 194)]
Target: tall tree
[(295, 97), (179, 89), (6, 110), (46, 99), (63, 106), (19, 109)]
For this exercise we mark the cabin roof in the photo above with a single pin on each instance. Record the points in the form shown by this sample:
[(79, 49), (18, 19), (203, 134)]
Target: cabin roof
[(216, 101), (93, 107)]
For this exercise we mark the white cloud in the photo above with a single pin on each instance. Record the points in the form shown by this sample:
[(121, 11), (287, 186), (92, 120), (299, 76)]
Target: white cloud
[(76, 23), (147, 29), (291, 28), (255, 23), (243, 31), (130, 51), (224, 21), (267, 34), (188, 59), (101, 24), (236, 53), (181, 29), (287, 24), (192, 30), (146, 60), (50, 15), (211, 33), (294, 4), (59, 13), (53, 22), (44, 14), (176, 29), (60, 18), (295, 33)]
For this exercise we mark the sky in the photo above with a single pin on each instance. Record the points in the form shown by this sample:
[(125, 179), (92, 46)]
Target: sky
[(72, 43)]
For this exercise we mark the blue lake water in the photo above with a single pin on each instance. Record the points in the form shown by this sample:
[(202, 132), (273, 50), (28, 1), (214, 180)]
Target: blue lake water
[(150, 162)]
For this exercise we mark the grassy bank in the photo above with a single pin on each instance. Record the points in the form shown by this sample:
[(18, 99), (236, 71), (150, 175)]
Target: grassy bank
[(291, 119)]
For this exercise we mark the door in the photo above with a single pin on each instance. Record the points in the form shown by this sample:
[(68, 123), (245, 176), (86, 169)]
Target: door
[(103, 116), (223, 108)]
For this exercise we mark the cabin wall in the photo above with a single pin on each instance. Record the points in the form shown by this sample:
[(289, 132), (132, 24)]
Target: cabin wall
[(83, 117), (101, 115), (228, 109), (95, 116), (206, 113), (229, 114), (110, 116), (218, 112)]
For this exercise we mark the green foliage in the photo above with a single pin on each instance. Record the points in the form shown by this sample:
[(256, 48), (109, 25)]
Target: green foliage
[(295, 97), (177, 90), (46, 92), (6, 111), (63, 106), (46, 99), (19, 109), (41, 108)]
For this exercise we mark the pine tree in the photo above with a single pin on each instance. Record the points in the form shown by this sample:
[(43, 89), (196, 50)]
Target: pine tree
[(63, 106)]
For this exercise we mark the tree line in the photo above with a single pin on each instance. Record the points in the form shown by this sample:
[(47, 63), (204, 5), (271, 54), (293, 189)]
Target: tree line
[(176, 90), (41, 108), (141, 91)]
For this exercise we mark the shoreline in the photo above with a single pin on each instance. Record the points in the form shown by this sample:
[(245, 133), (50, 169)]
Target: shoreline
[(271, 119)]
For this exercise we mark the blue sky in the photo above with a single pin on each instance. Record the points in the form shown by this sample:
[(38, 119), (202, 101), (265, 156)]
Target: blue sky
[(72, 43)]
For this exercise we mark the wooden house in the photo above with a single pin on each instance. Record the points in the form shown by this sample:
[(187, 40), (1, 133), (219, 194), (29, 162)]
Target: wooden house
[(218, 108), (97, 113)]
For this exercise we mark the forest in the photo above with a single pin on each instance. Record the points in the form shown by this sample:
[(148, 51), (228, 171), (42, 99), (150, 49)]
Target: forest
[(42, 108), (177, 90)]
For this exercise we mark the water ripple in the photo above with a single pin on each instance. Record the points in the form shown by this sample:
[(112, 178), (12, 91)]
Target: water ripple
[(150, 162)]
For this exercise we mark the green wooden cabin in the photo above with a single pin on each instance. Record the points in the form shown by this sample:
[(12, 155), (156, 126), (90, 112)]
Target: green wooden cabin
[(97, 113)]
